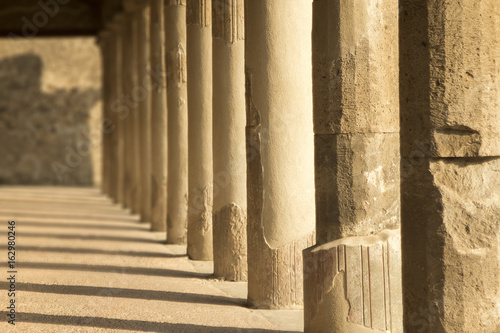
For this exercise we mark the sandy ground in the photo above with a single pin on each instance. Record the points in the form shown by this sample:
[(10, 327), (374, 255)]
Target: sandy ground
[(84, 264)]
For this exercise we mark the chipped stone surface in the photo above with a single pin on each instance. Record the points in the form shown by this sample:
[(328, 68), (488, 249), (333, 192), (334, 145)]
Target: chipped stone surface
[(452, 242), (230, 239), (357, 184), (357, 169), (228, 20), (362, 272), (454, 78), (199, 232), (229, 119), (199, 12), (279, 149), (450, 127), (50, 112)]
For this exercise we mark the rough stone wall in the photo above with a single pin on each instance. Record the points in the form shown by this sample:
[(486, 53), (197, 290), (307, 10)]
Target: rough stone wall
[(50, 112)]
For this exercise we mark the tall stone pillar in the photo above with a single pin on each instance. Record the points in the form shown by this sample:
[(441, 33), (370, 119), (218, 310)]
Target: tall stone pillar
[(175, 40), (144, 95), (104, 41), (129, 50), (280, 152), (158, 118), (229, 119), (134, 96), (450, 145), (352, 277), (117, 151), (199, 62)]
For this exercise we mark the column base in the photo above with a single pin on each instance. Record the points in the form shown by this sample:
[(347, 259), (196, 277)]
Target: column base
[(354, 285)]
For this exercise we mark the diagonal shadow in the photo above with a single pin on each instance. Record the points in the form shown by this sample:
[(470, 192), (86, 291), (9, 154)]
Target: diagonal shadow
[(90, 237), (131, 325), (133, 227), (168, 296), (113, 269), (142, 254), (55, 214), (70, 221)]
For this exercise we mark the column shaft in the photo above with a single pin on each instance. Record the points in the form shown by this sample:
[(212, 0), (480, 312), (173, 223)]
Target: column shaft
[(280, 157), (352, 278), (199, 62), (144, 81), (175, 27), (450, 128), (104, 40), (117, 152), (229, 119), (158, 118), (128, 106)]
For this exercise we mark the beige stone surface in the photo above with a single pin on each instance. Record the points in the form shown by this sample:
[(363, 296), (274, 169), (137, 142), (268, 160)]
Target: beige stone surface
[(144, 102), (455, 77), (354, 285), (175, 27), (159, 139), (229, 119), (50, 111), (353, 282), (450, 173), (279, 149), (104, 41), (451, 242), (133, 95), (199, 64), (357, 184), (117, 150), (86, 265)]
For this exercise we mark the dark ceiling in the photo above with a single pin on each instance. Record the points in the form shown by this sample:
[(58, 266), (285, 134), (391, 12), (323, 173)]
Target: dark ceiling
[(32, 18)]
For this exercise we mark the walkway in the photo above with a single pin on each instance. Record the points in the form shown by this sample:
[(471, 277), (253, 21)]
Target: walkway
[(86, 265)]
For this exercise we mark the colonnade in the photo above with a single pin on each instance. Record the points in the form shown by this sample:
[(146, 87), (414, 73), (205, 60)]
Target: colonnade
[(341, 156)]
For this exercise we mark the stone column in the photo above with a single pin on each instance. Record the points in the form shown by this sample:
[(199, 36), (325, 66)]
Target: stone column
[(280, 154), (199, 62), (175, 28), (128, 79), (104, 41), (135, 98), (450, 146), (158, 118), (144, 61), (229, 119), (352, 277), (118, 169)]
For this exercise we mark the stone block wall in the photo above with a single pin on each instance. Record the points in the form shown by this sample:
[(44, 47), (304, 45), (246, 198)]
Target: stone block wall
[(50, 111)]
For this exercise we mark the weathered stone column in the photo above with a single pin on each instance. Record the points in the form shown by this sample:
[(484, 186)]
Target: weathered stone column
[(104, 41), (229, 119), (280, 147), (135, 97), (129, 78), (118, 135), (199, 62), (352, 277), (144, 81), (450, 145), (175, 27), (158, 118)]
